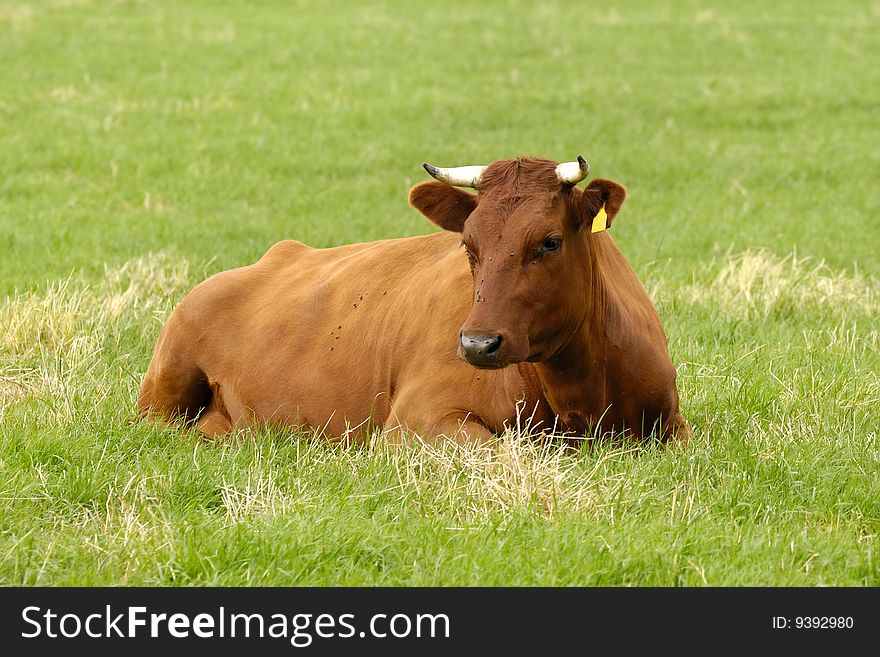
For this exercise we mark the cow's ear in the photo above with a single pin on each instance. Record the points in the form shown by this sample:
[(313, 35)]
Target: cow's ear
[(599, 192), (446, 206)]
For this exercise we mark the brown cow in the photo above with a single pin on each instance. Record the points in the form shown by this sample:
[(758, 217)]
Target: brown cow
[(547, 322)]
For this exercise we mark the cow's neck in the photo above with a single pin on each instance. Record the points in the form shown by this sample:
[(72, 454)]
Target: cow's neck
[(573, 382)]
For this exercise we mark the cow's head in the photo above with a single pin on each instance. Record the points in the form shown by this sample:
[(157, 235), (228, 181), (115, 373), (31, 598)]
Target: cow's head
[(527, 235)]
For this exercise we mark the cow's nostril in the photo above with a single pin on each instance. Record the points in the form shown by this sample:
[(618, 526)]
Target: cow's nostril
[(481, 349), (493, 345)]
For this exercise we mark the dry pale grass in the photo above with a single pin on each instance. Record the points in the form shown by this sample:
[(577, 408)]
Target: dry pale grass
[(144, 285), (65, 320), (19, 16), (124, 532), (11, 390), (517, 472), (53, 343), (261, 495), (755, 283), (844, 337), (121, 533), (44, 325)]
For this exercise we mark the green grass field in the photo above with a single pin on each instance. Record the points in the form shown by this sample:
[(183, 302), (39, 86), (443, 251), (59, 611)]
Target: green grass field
[(146, 145)]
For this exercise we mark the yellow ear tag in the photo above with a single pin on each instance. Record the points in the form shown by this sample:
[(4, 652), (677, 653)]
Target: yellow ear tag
[(600, 221)]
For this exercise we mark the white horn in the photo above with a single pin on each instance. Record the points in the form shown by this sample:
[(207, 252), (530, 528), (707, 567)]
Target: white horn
[(458, 176), (573, 172)]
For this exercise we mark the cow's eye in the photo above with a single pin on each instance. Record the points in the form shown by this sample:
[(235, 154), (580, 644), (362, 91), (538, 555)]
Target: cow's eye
[(551, 244)]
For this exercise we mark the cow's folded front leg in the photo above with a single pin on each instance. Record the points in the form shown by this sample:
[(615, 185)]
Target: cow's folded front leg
[(677, 431), (463, 428), (459, 426), (214, 421)]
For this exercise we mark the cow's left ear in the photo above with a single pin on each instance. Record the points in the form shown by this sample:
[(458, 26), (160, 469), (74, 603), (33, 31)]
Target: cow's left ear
[(599, 192)]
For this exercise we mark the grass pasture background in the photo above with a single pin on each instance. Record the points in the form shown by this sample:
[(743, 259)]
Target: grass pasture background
[(146, 145)]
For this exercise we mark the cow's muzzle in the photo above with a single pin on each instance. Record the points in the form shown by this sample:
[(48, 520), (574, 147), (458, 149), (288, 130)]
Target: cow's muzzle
[(482, 349)]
